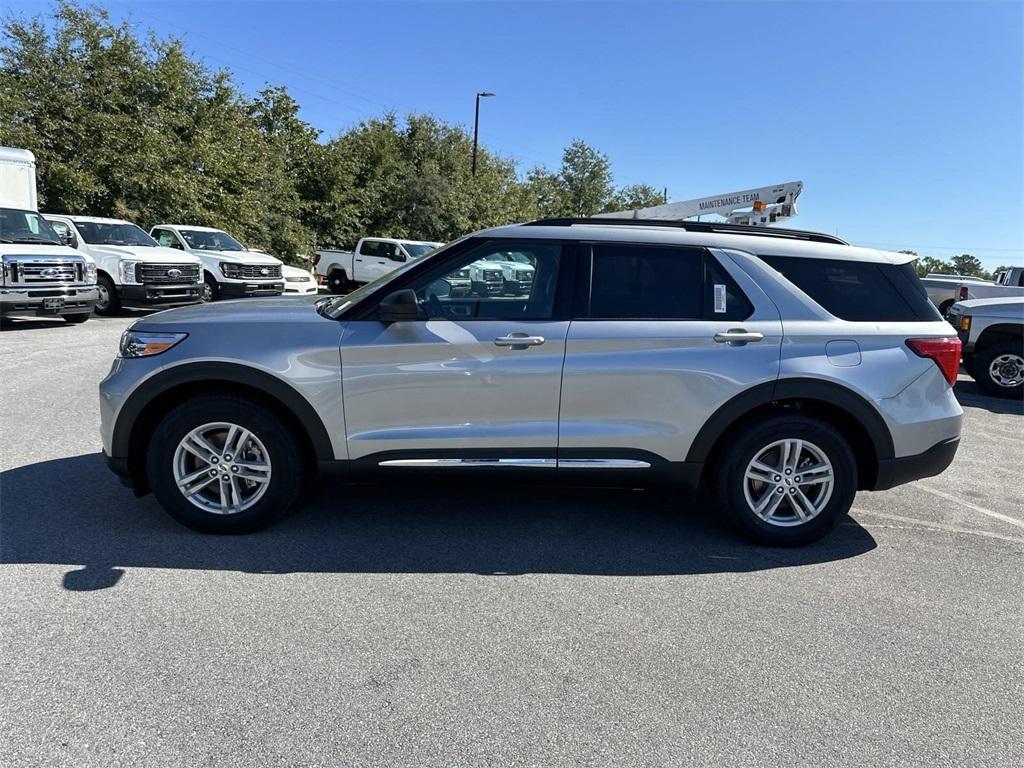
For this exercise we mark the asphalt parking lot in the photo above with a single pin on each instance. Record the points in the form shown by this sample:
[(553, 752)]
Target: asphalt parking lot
[(389, 626)]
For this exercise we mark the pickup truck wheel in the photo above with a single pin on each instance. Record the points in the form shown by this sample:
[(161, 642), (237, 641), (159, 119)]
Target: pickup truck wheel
[(999, 369), (78, 317), (221, 464), (337, 281), (944, 307), (210, 290), (107, 301), (787, 480)]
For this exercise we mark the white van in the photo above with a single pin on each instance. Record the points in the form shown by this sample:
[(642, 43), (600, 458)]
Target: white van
[(40, 276)]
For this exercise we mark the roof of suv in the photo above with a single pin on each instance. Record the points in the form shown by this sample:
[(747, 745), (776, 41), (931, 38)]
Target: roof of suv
[(756, 240)]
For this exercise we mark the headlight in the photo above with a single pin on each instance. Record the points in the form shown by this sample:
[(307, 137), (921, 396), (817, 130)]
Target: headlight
[(144, 344), (90, 272), (128, 272), (230, 270)]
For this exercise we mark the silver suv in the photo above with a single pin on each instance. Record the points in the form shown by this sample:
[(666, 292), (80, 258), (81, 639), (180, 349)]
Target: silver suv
[(780, 371)]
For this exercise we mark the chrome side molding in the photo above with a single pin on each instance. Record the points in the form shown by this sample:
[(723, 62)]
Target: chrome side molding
[(527, 463)]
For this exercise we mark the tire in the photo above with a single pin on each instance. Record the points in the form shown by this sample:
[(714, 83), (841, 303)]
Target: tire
[(108, 302), (337, 282), (819, 440), (78, 317), (210, 290), (944, 307), (997, 365), (258, 504)]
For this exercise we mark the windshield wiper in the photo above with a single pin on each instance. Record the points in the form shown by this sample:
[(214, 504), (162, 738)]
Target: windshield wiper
[(32, 240)]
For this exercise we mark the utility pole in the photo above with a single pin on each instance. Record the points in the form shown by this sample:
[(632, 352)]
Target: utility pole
[(476, 125)]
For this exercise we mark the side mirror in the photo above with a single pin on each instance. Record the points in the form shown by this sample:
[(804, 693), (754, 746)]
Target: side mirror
[(67, 238), (400, 306)]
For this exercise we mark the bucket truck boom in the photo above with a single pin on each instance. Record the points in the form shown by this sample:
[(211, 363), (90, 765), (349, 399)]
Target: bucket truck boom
[(755, 207)]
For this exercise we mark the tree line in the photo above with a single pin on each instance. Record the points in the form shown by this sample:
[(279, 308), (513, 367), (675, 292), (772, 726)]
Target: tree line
[(127, 124), (961, 264)]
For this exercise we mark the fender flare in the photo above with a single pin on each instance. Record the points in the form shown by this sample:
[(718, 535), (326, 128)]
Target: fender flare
[(793, 389), (219, 373)]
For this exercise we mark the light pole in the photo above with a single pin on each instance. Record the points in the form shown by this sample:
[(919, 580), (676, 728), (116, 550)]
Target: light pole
[(476, 124)]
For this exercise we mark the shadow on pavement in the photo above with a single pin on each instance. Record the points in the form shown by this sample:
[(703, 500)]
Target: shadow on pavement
[(969, 394), (73, 512)]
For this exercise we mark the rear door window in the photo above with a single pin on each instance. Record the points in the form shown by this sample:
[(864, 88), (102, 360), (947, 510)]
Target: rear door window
[(645, 282), (859, 291)]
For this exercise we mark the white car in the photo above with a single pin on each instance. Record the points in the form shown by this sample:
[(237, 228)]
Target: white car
[(298, 280), (132, 268), (230, 270)]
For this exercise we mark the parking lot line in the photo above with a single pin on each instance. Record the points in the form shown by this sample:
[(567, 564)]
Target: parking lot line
[(975, 507), (913, 523)]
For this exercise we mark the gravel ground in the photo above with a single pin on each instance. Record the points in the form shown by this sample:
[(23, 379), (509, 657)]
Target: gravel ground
[(445, 626)]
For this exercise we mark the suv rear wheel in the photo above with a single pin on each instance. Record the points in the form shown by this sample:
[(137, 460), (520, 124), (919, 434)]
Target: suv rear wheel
[(222, 464), (787, 480)]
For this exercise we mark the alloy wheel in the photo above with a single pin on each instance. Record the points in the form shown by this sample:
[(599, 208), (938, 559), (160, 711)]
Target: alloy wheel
[(222, 468), (788, 482)]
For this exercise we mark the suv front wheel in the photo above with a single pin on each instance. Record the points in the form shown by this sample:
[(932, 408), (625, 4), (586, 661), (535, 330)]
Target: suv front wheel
[(787, 480), (221, 464)]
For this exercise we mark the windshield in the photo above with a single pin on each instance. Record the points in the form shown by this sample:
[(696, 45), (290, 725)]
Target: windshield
[(333, 307), (210, 240), (418, 249), (97, 233), (17, 226)]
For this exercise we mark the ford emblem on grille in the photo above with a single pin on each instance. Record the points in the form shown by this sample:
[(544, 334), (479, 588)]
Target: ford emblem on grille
[(174, 273), (264, 271), (49, 272)]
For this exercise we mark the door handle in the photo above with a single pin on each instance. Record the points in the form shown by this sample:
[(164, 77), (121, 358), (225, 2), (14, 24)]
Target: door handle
[(737, 337), (518, 341)]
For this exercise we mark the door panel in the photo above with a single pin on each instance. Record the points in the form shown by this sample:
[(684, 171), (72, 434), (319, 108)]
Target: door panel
[(442, 384), (650, 384)]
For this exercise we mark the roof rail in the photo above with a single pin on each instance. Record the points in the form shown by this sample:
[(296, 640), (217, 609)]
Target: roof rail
[(693, 226)]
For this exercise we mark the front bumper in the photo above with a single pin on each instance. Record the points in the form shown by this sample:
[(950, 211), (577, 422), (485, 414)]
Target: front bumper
[(150, 294), (33, 302), (905, 469), (246, 289)]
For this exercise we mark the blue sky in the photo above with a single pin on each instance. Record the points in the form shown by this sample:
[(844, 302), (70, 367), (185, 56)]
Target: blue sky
[(903, 119)]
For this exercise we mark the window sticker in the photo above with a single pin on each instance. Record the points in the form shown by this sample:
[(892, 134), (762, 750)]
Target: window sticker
[(719, 297)]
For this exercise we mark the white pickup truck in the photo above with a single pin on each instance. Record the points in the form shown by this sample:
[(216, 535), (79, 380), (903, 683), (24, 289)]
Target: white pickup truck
[(372, 258), (230, 270), (992, 339), (942, 289), (1009, 282), (133, 269)]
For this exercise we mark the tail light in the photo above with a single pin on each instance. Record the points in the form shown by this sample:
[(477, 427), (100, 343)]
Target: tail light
[(963, 293), (945, 352), (315, 259)]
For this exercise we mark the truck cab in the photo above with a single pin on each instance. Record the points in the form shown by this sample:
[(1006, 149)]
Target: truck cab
[(132, 269), (40, 276), (373, 257), (230, 270)]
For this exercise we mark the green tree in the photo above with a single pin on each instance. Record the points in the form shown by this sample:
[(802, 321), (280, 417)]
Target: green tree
[(635, 196), (965, 264), (585, 178)]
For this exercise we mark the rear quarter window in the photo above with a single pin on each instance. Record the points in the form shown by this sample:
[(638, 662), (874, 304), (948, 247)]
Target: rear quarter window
[(859, 291)]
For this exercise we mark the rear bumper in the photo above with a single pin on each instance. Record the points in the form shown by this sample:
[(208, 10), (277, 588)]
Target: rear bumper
[(148, 295), (905, 469), (243, 290), (31, 302)]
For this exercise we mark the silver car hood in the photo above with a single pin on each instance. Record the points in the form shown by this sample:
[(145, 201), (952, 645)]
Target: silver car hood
[(275, 310)]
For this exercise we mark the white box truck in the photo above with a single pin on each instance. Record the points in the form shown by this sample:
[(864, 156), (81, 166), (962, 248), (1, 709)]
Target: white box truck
[(41, 276)]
